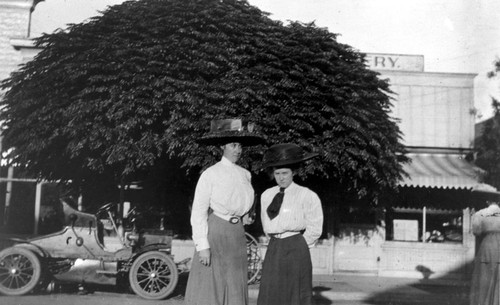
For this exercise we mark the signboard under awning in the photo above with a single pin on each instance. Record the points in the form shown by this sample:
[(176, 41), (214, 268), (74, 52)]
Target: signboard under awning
[(449, 171)]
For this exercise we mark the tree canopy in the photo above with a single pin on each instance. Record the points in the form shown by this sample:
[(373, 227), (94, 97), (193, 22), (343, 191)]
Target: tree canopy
[(487, 145), (135, 87)]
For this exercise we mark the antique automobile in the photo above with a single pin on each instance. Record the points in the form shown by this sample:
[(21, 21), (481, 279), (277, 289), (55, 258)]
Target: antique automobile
[(79, 254)]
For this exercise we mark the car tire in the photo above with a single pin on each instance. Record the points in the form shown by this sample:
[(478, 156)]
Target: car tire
[(153, 275), (20, 271)]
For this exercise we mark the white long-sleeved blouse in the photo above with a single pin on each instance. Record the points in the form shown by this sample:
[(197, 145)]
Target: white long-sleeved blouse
[(486, 220), (301, 210), (225, 188)]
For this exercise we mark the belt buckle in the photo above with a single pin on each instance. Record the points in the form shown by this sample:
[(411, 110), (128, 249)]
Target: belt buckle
[(234, 220)]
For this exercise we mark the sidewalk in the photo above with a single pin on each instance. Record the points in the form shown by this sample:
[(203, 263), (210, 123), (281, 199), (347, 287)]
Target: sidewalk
[(366, 289)]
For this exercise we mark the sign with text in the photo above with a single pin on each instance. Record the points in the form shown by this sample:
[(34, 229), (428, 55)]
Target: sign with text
[(397, 62)]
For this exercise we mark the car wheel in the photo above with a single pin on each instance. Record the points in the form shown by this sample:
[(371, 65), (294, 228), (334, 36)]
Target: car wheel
[(20, 271), (153, 275)]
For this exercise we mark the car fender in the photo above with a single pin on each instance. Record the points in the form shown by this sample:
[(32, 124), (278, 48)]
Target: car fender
[(32, 248), (153, 247)]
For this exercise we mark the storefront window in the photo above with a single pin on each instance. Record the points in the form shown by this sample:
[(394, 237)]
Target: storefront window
[(424, 225)]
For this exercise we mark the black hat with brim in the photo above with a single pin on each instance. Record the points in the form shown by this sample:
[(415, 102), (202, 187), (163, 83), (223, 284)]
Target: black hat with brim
[(285, 154), (231, 131)]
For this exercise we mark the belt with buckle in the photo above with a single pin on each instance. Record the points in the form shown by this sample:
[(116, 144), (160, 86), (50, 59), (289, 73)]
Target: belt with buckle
[(284, 234), (234, 220), (230, 218)]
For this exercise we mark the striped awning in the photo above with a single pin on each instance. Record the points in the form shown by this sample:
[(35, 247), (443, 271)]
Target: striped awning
[(440, 171)]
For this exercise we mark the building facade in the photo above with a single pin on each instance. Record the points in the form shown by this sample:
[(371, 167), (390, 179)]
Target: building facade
[(424, 230), (14, 24)]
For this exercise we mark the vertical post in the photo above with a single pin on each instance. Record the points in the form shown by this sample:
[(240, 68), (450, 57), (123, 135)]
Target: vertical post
[(80, 202), (38, 203), (468, 238), (126, 209), (122, 195), (424, 223), (8, 195), (468, 241)]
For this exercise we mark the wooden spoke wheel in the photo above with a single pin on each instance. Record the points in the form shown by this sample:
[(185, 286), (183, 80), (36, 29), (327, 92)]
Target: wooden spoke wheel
[(153, 275), (20, 271)]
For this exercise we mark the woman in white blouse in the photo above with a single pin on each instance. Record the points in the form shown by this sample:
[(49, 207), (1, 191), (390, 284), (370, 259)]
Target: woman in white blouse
[(222, 200), (485, 282), (292, 217)]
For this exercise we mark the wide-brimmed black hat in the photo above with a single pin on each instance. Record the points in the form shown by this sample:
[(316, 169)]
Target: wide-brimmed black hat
[(230, 131), (285, 154)]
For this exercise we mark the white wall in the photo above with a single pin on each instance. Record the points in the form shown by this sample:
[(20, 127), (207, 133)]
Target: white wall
[(435, 109)]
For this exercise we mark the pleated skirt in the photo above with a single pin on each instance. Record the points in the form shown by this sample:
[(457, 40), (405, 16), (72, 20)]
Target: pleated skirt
[(286, 273), (224, 282)]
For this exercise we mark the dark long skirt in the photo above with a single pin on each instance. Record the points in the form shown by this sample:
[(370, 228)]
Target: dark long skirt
[(224, 282), (286, 273), (485, 282)]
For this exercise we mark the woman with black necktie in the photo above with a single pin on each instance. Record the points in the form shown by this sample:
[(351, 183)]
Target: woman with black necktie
[(293, 219)]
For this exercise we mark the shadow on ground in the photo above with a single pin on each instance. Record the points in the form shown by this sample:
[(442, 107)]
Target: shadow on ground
[(180, 289), (89, 289), (318, 299), (422, 292)]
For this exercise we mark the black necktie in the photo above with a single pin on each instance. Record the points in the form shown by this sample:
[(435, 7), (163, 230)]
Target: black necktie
[(274, 208)]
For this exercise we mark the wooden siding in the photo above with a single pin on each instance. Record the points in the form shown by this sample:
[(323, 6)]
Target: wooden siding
[(434, 109)]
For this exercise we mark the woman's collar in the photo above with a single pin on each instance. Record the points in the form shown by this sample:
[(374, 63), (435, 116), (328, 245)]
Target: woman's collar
[(292, 185), (226, 161)]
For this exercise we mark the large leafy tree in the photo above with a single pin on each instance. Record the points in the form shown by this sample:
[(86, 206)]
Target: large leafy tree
[(487, 147), (128, 92), (487, 144)]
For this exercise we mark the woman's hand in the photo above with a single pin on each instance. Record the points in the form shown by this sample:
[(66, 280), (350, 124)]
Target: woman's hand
[(204, 256)]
